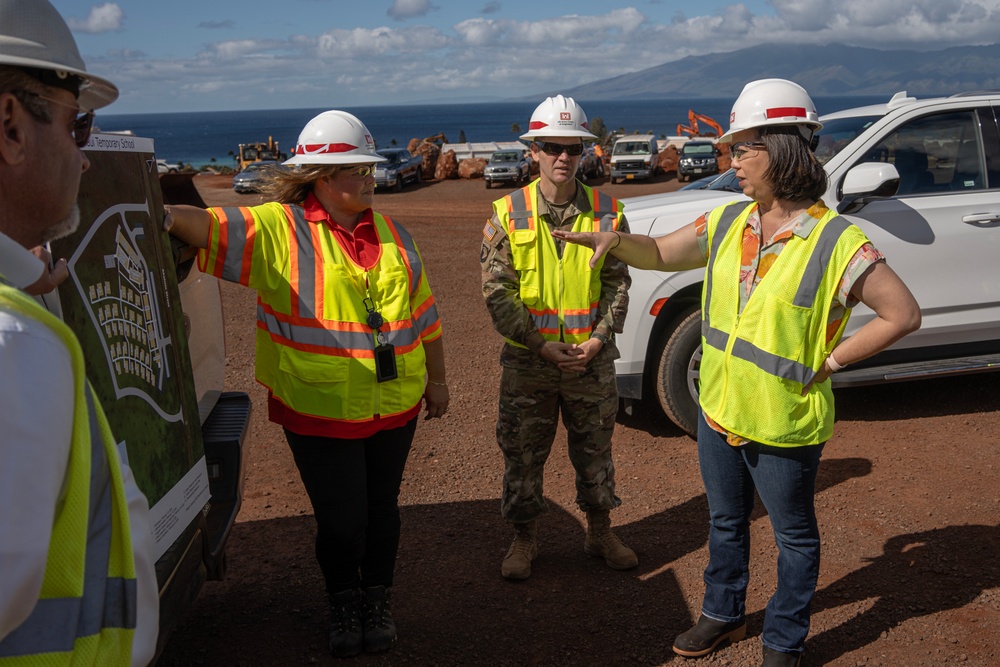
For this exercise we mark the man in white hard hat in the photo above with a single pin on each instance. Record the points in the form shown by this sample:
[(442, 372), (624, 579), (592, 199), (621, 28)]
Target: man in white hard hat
[(559, 316), (77, 583)]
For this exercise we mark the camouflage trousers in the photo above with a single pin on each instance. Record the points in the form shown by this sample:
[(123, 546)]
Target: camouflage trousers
[(531, 401)]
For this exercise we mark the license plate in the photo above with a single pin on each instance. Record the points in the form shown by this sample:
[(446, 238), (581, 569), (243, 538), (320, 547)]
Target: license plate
[(627, 176)]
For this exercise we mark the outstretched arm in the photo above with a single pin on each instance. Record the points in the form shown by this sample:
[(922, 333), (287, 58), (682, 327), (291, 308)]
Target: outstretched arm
[(676, 251), (188, 223)]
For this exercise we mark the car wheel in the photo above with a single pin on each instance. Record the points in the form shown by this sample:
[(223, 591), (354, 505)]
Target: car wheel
[(488, 185), (398, 185), (678, 372), (420, 176)]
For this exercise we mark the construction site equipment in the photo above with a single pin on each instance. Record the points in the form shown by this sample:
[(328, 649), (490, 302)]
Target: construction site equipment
[(257, 151), (693, 129)]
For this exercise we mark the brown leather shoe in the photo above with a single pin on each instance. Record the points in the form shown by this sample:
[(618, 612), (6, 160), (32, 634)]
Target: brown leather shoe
[(708, 635), (773, 658)]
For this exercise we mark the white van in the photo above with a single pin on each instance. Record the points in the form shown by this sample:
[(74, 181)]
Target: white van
[(634, 157)]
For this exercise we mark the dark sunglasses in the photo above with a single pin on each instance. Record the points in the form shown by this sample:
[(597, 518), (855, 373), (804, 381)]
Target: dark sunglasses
[(82, 125), (555, 150)]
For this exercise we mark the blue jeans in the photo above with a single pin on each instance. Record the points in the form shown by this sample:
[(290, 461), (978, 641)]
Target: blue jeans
[(785, 479)]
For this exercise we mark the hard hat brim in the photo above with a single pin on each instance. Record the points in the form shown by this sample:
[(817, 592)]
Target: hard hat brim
[(95, 92), (334, 159)]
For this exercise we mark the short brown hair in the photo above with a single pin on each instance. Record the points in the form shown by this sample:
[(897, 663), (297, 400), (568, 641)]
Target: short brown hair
[(794, 172)]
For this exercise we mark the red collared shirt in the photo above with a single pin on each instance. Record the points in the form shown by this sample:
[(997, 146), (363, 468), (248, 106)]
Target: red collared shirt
[(361, 245)]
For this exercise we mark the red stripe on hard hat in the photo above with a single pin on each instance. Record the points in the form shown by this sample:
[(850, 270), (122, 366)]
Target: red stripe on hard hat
[(782, 112), (537, 125), (320, 149)]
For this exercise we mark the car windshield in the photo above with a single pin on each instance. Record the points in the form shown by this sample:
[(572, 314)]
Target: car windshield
[(834, 136), (393, 158), (698, 149), (839, 132), (257, 166), (504, 157), (632, 148)]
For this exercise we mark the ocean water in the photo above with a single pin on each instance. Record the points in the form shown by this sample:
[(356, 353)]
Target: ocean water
[(212, 137)]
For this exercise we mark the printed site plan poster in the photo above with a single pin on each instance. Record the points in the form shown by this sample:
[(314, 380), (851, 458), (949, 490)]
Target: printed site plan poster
[(122, 301)]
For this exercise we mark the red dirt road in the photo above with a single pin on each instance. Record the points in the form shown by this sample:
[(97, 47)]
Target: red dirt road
[(909, 506)]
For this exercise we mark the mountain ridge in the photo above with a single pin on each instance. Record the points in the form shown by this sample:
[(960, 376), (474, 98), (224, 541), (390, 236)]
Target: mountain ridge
[(833, 69)]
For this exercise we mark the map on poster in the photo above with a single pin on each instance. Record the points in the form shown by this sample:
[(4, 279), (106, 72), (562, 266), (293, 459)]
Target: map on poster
[(122, 300)]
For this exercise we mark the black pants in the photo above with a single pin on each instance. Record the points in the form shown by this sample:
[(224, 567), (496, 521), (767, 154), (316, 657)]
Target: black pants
[(354, 489)]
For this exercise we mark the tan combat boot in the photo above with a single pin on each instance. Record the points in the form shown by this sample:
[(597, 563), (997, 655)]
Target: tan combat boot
[(517, 563), (603, 543)]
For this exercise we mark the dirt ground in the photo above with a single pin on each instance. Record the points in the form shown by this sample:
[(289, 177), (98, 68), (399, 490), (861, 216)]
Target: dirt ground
[(908, 505)]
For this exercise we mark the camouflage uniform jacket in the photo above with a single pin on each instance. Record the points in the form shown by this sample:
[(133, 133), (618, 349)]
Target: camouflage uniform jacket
[(501, 289)]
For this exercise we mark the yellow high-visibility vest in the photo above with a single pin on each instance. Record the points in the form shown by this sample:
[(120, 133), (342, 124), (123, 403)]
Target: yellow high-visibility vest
[(754, 364), (315, 349), (86, 611), (562, 294)]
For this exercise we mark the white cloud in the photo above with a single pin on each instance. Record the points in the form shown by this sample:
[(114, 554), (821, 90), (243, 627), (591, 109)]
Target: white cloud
[(102, 18), (360, 65), (408, 9)]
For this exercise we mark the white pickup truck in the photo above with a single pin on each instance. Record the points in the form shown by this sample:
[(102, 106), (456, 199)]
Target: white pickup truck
[(922, 180)]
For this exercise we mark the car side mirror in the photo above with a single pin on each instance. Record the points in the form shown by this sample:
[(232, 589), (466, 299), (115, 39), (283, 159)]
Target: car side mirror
[(865, 183)]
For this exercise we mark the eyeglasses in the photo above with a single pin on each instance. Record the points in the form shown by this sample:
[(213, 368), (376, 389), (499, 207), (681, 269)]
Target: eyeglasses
[(361, 171), (555, 150), (743, 149), (82, 124)]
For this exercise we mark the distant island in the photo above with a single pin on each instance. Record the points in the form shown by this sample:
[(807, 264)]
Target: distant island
[(831, 70)]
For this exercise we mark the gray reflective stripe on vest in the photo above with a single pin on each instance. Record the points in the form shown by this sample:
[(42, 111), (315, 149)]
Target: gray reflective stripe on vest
[(714, 337), (606, 205), (236, 243), (412, 256), (585, 321), (805, 297), (107, 602), (819, 260), (307, 263), (330, 338), (519, 212)]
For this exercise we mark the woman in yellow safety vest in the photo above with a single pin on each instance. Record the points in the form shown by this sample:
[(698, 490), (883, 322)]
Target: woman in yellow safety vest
[(782, 274), (348, 343)]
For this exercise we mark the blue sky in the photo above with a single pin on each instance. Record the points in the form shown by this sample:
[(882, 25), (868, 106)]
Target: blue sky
[(202, 55)]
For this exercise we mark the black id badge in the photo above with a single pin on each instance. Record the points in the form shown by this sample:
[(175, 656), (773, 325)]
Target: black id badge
[(385, 362)]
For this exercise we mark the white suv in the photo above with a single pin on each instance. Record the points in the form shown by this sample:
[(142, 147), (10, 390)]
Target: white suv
[(922, 179)]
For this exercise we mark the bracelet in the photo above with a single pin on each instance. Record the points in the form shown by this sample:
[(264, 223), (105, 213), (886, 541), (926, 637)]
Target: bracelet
[(437, 384), (833, 363), (619, 236)]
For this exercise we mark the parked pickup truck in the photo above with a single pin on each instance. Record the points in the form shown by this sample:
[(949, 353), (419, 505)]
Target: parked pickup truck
[(921, 178), (400, 168), (151, 328)]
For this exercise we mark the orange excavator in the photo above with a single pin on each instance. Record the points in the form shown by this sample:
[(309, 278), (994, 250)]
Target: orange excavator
[(692, 129)]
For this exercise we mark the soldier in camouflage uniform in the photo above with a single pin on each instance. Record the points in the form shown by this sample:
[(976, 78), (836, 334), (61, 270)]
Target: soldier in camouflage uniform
[(557, 358)]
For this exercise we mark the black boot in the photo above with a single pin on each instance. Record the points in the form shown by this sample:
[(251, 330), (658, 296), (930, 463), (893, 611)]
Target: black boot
[(345, 628), (708, 635), (380, 629)]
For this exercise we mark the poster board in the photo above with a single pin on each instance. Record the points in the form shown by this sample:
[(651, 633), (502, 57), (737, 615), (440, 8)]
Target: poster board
[(122, 301)]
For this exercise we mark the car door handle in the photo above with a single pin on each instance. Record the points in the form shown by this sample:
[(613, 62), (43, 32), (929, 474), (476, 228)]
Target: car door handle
[(981, 217)]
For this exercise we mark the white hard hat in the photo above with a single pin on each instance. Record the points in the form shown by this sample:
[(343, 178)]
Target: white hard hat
[(773, 102), (34, 36), (335, 137), (558, 117)]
